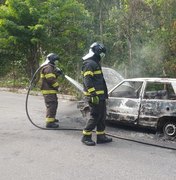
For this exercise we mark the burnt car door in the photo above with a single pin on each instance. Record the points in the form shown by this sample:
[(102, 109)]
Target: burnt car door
[(124, 101), (158, 101)]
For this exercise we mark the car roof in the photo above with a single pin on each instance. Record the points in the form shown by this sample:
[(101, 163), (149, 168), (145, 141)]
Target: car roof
[(155, 79)]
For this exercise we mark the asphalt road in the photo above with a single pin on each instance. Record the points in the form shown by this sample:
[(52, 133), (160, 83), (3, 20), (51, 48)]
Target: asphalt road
[(29, 153)]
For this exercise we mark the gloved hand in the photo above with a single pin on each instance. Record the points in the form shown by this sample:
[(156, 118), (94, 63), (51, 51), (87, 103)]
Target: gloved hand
[(59, 72), (94, 99)]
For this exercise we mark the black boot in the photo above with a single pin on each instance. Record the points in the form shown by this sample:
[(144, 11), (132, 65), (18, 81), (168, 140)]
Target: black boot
[(102, 138), (52, 125), (87, 140), (56, 120)]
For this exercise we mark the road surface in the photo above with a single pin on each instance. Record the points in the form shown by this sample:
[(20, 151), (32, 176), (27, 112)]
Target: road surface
[(29, 153)]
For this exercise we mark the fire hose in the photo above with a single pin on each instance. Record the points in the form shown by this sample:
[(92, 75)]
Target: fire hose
[(33, 83)]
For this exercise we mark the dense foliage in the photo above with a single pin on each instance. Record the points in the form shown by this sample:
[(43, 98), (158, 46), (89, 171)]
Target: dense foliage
[(140, 35)]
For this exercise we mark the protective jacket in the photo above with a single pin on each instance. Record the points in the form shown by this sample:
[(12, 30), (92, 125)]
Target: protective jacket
[(49, 79), (93, 80)]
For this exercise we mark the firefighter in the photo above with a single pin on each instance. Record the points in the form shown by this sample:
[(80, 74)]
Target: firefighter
[(95, 91), (49, 88)]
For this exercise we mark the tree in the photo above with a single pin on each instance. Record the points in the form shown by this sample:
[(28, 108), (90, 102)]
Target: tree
[(33, 28), (139, 33), (67, 25), (21, 32)]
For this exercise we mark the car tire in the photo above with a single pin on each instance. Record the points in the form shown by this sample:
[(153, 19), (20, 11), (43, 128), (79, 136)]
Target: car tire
[(169, 129)]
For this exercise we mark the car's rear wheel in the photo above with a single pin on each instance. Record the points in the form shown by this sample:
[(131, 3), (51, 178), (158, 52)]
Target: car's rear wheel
[(169, 129)]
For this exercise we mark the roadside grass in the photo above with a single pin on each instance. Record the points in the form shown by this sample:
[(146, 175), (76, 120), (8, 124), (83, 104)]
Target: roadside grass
[(21, 85)]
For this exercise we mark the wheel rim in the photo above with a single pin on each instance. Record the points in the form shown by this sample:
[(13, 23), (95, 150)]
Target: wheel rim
[(170, 129)]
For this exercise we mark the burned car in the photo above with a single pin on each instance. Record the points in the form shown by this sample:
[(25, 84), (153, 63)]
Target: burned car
[(143, 102), (147, 102)]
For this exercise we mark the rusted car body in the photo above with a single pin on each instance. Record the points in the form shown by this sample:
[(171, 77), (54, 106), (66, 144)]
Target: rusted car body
[(147, 102)]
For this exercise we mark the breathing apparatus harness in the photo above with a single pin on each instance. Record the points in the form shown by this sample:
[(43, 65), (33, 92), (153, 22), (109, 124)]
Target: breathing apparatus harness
[(33, 83)]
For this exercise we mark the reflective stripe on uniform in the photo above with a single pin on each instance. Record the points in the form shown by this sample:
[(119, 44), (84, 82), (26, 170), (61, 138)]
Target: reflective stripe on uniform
[(91, 89), (49, 91), (97, 92), (48, 120), (55, 84), (91, 73), (100, 92), (98, 72), (42, 75), (100, 132), (50, 75), (88, 73), (47, 75), (88, 133)]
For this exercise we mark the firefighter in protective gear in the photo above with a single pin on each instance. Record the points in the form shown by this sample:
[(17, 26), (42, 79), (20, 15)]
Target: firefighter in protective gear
[(49, 88), (95, 91)]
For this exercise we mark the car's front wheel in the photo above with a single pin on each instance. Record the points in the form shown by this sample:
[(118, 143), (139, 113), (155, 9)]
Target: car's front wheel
[(169, 129)]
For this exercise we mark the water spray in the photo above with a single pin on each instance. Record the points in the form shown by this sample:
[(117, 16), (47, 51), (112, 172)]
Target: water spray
[(75, 83)]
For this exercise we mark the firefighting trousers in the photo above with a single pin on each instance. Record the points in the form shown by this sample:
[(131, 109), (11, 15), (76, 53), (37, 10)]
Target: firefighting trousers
[(97, 117), (51, 103)]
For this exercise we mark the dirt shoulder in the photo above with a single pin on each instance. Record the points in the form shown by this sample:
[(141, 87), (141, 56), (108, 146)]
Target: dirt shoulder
[(37, 93)]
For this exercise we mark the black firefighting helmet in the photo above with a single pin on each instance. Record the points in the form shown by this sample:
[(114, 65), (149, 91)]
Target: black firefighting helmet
[(98, 49), (52, 57)]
